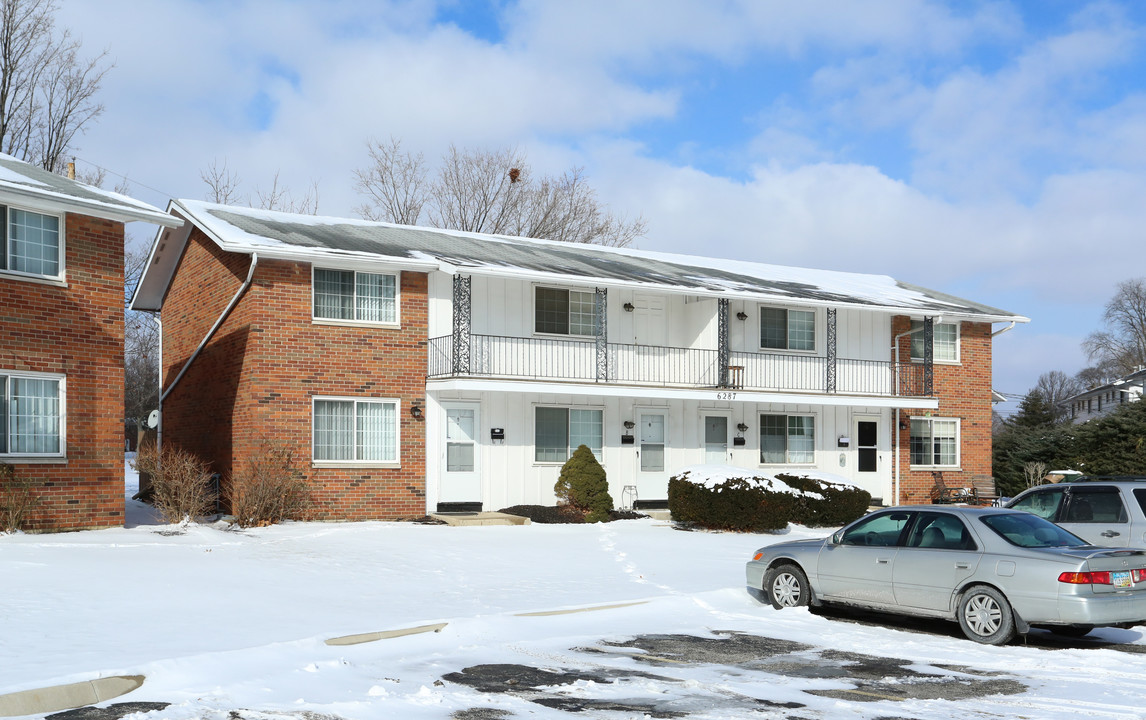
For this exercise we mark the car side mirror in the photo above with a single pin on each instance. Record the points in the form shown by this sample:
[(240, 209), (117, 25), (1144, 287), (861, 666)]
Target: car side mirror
[(837, 537)]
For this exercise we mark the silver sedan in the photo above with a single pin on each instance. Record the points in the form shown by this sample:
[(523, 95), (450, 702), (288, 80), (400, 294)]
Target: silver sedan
[(997, 572)]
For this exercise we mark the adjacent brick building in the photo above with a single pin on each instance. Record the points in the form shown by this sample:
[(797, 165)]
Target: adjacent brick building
[(61, 343), (414, 370)]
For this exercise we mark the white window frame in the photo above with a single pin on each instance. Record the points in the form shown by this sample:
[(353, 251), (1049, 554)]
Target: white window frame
[(6, 409), (6, 251), (816, 323), (568, 424), (787, 462), (356, 462), (396, 323), (566, 335), (958, 442), (918, 325)]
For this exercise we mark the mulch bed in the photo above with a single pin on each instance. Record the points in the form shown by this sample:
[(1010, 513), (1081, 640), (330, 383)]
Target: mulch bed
[(555, 514)]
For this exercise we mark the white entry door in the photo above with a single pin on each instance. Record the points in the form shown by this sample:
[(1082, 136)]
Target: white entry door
[(716, 440), (652, 475), (461, 476)]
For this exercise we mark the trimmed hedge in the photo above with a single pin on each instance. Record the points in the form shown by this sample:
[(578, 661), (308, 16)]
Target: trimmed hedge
[(751, 505)]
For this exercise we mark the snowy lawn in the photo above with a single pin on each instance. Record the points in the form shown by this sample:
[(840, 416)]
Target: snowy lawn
[(219, 619)]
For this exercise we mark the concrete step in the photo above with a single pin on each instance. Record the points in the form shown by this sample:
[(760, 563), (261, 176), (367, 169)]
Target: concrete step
[(480, 518)]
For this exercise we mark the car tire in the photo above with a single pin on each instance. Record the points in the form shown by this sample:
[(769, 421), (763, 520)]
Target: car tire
[(985, 616), (787, 586)]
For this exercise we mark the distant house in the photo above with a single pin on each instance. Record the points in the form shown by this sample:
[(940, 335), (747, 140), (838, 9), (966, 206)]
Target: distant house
[(1102, 400), (418, 369), (61, 342)]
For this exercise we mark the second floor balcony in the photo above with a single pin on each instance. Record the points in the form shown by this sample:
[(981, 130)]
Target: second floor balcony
[(573, 361)]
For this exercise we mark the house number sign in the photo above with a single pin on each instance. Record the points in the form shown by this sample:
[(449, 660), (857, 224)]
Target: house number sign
[(725, 395)]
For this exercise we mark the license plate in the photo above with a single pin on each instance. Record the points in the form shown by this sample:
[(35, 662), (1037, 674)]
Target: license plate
[(1121, 579)]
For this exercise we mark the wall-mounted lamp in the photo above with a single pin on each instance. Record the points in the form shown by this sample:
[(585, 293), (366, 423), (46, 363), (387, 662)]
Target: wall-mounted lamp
[(742, 427), (629, 307), (629, 424), (902, 424), (416, 412), (741, 315)]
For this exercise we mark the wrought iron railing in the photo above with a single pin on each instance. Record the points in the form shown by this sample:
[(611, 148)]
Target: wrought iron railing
[(557, 360)]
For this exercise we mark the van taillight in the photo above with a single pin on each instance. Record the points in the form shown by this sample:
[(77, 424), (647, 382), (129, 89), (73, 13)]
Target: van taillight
[(1086, 578)]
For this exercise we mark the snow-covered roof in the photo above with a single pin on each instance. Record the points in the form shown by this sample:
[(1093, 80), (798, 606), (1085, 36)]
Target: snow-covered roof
[(317, 239), (1135, 381), (28, 185)]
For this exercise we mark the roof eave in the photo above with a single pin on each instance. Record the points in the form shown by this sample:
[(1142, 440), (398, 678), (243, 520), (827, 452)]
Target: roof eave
[(54, 202)]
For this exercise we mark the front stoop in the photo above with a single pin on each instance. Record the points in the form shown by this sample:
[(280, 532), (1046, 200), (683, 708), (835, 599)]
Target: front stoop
[(480, 518)]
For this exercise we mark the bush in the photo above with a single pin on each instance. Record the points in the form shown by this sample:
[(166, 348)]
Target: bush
[(754, 504), (268, 488), (181, 484), (16, 499), (583, 486)]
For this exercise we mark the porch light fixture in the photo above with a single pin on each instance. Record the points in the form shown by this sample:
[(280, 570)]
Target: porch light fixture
[(629, 424), (741, 315), (416, 411), (902, 424), (742, 427), (629, 307)]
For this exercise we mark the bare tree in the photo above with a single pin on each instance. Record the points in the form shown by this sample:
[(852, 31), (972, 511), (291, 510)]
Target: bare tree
[(141, 342), (1055, 387), (395, 183), (1121, 345), (223, 187), (491, 192), (47, 92), (222, 184)]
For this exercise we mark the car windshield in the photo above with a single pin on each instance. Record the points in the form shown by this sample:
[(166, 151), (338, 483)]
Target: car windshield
[(1030, 531)]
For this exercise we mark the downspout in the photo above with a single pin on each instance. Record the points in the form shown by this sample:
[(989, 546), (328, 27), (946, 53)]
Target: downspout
[(159, 423), (895, 423), (1003, 330), (210, 333)]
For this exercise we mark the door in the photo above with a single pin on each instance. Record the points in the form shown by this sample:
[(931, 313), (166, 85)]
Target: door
[(716, 440), (867, 447), (461, 478), (858, 568), (649, 327), (652, 479), (1097, 514), (939, 555)]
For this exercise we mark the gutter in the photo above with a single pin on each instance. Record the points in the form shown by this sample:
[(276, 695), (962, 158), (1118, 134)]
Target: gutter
[(1003, 330), (210, 333)]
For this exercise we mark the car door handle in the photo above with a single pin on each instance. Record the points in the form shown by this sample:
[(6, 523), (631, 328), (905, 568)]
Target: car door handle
[(962, 565), (883, 561), (1111, 533)]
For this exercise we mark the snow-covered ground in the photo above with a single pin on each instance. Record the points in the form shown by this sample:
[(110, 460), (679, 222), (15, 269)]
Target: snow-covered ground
[(221, 620)]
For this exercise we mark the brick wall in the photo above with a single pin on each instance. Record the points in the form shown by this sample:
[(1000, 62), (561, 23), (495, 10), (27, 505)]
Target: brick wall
[(256, 379), (76, 331), (964, 392)]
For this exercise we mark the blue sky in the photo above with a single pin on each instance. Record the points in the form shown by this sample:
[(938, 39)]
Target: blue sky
[(994, 150)]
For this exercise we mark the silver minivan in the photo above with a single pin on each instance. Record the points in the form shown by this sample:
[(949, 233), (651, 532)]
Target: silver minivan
[(1103, 511)]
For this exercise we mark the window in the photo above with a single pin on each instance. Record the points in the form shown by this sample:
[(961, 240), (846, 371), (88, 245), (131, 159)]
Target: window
[(564, 312), (787, 439), (355, 296), (782, 329), (1044, 503), (31, 242), (31, 412), (557, 432), (935, 442), (356, 430), (882, 529), (945, 341)]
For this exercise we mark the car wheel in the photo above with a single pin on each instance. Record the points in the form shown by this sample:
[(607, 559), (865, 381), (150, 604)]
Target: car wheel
[(986, 617), (787, 586), (1074, 631)]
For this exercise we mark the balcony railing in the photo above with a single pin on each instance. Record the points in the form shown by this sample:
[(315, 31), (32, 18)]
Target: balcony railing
[(555, 360)]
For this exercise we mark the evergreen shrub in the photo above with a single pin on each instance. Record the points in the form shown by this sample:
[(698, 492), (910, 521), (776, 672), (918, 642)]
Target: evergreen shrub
[(750, 504), (582, 485)]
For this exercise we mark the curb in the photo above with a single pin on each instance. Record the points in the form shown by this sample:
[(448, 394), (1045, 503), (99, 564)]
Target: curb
[(384, 635), (67, 697)]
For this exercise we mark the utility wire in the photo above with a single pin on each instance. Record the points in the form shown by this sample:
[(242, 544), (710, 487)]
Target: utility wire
[(125, 178)]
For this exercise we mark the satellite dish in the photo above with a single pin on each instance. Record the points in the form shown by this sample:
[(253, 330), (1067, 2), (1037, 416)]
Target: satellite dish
[(153, 419)]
